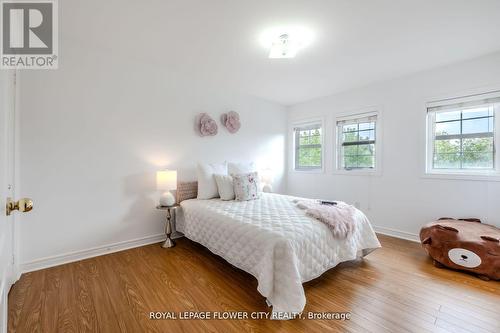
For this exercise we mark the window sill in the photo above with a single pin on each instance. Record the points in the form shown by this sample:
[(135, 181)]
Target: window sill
[(489, 177), (305, 171), (358, 172)]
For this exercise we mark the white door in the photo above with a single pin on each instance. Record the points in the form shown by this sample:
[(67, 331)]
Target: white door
[(7, 271)]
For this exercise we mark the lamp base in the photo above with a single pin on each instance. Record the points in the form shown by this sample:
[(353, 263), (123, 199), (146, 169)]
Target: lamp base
[(167, 199), (168, 243), (267, 188)]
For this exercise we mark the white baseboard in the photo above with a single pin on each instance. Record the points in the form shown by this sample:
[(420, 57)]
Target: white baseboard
[(397, 233), (89, 253)]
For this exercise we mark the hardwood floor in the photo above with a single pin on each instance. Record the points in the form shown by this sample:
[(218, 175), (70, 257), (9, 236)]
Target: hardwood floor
[(394, 289)]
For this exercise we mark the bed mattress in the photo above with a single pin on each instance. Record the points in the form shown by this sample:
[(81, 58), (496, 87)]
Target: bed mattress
[(274, 241)]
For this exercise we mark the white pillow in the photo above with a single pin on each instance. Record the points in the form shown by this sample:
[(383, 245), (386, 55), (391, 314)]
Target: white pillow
[(225, 186), (240, 168), (207, 188)]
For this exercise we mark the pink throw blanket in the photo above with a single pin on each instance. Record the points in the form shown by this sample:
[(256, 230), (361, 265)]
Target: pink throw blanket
[(339, 218)]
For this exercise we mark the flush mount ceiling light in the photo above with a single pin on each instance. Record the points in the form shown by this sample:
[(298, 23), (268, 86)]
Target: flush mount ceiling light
[(285, 42), (284, 47)]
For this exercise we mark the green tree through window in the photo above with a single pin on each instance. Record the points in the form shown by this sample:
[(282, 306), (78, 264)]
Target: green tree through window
[(357, 142), (308, 150), (464, 139)]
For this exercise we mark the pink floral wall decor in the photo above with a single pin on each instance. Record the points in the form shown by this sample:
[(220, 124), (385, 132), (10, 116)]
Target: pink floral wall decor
[(205, 125), (231, 121)]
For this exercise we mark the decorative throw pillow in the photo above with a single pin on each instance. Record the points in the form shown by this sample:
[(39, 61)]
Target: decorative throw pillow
[(207, 188), (246, 186), (240, 168), (225, 186)]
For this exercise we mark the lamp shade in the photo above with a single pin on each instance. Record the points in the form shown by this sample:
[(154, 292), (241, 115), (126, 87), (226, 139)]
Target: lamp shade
[(266, 176), (166, 180)]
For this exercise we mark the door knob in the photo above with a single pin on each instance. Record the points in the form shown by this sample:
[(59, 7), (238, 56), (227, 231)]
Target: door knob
[(23, 205)]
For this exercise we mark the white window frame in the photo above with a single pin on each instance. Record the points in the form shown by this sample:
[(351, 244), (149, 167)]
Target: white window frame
[(367, 112), (465, 174), (305, 123)]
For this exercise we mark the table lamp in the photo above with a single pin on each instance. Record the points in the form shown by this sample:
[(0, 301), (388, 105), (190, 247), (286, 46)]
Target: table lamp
[(266, 177), (166, 181)]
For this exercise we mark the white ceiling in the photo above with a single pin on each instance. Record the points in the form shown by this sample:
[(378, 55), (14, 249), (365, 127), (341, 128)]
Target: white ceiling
[(357, 42)]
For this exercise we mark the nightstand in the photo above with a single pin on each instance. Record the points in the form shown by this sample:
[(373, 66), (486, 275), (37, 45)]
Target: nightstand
[(171, 210)]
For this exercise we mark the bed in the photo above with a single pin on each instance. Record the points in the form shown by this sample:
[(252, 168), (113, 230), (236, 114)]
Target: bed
[(274, 241)]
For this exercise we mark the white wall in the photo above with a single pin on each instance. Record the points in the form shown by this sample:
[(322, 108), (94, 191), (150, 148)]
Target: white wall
[(401, 199), (94, 132)]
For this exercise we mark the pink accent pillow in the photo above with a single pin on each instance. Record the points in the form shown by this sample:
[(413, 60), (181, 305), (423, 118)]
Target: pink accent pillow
[(246, 186)]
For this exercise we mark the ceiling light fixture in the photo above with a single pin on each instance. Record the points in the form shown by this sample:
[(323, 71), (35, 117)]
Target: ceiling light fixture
[(285, 42), (283, 48)]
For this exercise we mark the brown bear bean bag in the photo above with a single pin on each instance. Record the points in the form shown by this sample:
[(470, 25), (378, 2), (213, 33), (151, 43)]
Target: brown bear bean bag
[(465, 244)]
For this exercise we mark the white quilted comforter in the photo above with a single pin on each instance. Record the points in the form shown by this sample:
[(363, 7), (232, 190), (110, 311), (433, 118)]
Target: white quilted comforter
[(274, 241)]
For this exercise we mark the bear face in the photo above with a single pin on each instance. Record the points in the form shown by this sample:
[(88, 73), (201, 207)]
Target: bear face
[(464, 245), (464, 258)]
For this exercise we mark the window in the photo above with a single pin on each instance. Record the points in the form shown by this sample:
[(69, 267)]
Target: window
[(308, 141), (463, 135), (357, 142)]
